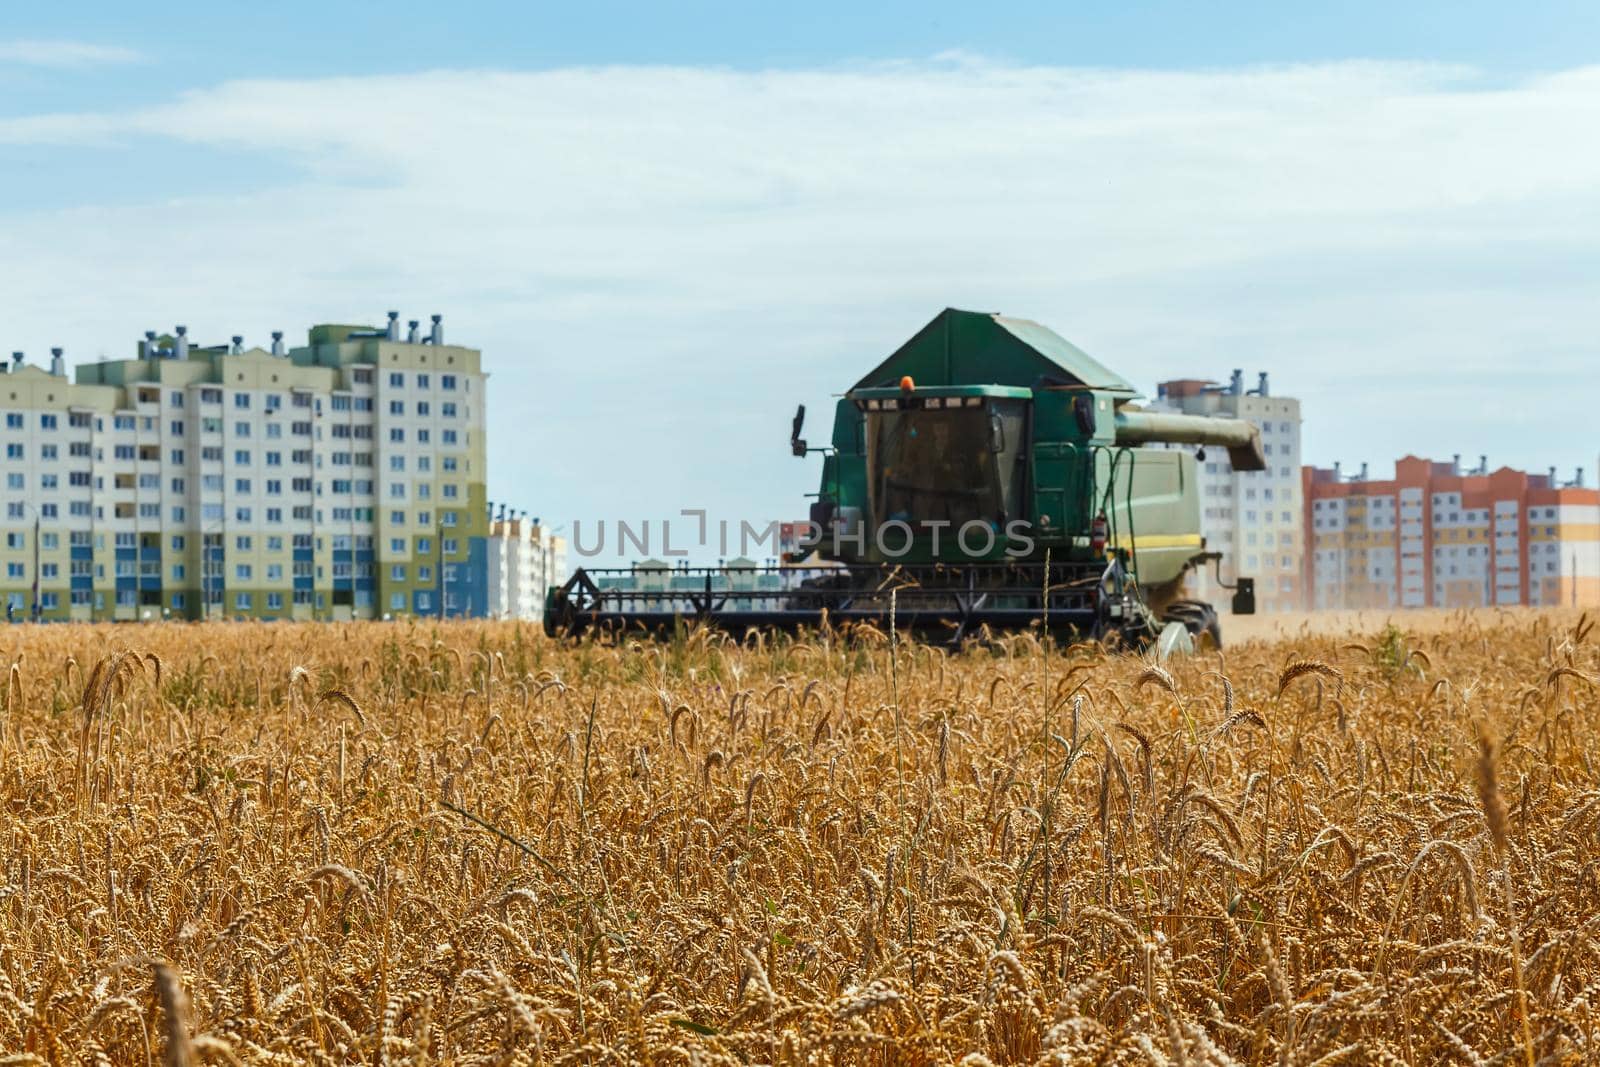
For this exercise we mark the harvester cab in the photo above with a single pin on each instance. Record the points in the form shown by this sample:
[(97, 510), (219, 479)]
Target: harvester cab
[(987, 473)]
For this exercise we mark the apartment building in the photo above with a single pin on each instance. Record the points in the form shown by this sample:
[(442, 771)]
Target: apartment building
[(1437, 536), (1254, 518), (525, 560), (340, 479)]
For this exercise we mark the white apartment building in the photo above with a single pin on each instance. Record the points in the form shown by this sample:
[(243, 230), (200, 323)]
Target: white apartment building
[(525, 560), (1254, 518), (342, 479)]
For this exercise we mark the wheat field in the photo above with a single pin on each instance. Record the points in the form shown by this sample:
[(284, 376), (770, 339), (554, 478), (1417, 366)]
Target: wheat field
[(468, 844)]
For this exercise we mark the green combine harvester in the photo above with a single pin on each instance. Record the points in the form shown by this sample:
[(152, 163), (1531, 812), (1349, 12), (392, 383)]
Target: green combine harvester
[(987, 474)]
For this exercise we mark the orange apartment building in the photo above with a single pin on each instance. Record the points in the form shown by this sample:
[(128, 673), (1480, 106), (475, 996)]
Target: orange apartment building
[(1435, 536)]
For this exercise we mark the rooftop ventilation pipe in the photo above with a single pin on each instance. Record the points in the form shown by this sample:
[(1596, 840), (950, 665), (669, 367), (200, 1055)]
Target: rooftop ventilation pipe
[(1363, 471), (182, 342), (392, 331), (277, 342), (1236, 382), (1483, 465), (436, 335), (238, 344), (1336, 474), (1577, 478), (147, 347), (1455, 463), (1552, 477), (1262, 387), (411, 332), (57, 364), (16, 360)]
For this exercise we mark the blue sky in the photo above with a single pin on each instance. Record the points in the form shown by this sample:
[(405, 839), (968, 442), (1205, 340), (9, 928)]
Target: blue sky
[(667, 224)]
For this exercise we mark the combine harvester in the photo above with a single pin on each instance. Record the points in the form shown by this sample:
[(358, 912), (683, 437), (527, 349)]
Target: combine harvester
[(987, 474)]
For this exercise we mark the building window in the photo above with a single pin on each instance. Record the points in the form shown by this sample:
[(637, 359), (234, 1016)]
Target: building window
[(447, 381)]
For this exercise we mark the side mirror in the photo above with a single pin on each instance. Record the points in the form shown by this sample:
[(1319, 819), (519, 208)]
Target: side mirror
[(797, 444), (997, 433), (1244, 596), (1083, 413)]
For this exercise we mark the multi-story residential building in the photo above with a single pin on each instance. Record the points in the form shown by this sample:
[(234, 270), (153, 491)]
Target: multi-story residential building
[(342, 479), (1435, 536), (525, 560), (1254, 518)]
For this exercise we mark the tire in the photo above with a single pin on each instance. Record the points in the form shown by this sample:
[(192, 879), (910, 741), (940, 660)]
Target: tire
[(1199, 618)]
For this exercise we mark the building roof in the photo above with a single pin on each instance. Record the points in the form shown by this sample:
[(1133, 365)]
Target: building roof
[(1478, 490)]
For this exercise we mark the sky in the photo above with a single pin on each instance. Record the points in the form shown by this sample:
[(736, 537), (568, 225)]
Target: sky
[(667, 225)]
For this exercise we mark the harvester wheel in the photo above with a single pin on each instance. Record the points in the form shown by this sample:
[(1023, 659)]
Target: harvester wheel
[(1199, 618)]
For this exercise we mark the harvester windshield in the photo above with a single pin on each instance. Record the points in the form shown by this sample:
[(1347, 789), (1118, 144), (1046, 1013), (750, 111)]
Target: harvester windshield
[(950, 464)]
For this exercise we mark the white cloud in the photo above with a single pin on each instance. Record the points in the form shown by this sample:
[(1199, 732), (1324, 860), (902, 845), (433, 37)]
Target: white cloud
[(43, 53), (660, 261)]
